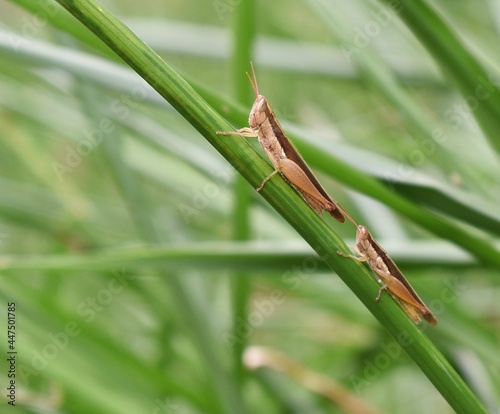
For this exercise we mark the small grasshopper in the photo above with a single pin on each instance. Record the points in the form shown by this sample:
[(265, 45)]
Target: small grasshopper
[(284, 156), (393, 280)]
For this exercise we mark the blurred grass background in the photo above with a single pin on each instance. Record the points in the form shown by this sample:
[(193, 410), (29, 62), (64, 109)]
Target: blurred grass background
[(118, 220)]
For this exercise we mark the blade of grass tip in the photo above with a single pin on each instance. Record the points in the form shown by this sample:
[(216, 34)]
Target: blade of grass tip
[(283, 199), (477, 86)]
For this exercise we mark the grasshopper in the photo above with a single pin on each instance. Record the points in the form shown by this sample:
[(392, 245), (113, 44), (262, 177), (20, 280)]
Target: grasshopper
[(284, 156), (393, 280)]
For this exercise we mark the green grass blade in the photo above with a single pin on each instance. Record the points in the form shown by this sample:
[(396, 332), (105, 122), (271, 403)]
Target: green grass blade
[(478, 86)]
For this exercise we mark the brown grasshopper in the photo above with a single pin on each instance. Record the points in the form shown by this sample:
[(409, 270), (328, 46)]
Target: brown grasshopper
[(393, 280), (284, 156)]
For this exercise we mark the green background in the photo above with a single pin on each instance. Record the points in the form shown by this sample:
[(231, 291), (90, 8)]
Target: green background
[(149, 276)]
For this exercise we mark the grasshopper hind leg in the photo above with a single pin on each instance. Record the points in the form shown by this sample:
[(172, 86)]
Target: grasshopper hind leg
[(268, 178)]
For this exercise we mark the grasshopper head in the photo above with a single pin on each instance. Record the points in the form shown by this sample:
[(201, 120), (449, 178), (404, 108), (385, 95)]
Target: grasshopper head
[(363, 238), (362, 232), (258, 113), (260, 106)]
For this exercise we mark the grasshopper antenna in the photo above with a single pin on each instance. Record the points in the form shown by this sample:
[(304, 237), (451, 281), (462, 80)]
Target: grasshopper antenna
[(255, 85), (346, 214)]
